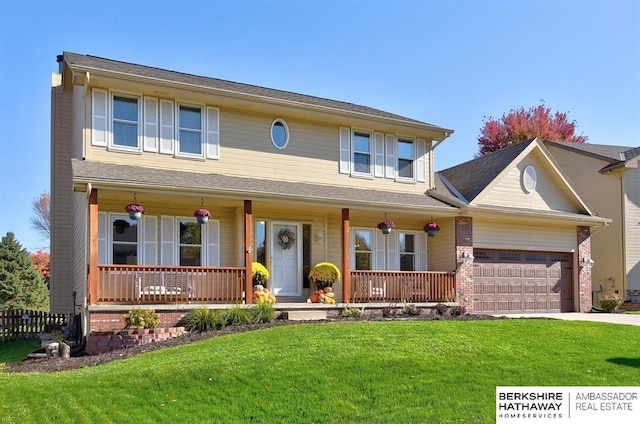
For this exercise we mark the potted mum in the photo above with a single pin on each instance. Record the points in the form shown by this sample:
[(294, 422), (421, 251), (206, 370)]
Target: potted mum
[(135, 210), (202, 215), (324, 274), (259, 274), (431, 228), (386, 226)]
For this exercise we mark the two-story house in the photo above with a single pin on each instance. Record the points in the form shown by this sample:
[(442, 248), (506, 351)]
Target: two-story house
[(608, 177), (290, 180)]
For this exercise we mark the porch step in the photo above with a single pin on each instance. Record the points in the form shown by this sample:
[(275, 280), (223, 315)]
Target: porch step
[(305, 315)]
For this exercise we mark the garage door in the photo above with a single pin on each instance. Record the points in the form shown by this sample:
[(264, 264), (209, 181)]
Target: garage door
[(507, 281)]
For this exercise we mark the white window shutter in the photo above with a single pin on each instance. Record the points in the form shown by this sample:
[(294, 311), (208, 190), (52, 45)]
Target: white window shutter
[(421, 254), (213, 243), (379, 259), (394, 251), (150, 124), (150, 240), (168, 231), (421, 160), (378, 146), (213, 133), (390, 168), (166, 126), (103, 243), (345, 150), (99, 120)]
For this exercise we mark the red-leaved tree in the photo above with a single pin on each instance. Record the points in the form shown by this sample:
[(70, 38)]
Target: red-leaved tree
[(41, 262), (519, 125)]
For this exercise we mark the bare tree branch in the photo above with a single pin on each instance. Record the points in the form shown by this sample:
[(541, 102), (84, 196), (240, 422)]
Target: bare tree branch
[(41, 221)]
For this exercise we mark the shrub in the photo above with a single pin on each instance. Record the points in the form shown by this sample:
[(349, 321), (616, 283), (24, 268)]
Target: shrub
[(203, 319), (457, 311), (262, 313), (441, 309), (388, 312), (410, 309), (238, 316), (610, 303), (352, 312), (259, 273), (324, 274), (141, 318)]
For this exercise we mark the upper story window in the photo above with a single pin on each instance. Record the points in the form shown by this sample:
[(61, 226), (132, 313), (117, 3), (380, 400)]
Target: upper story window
[(279, 133), (361, 153), (125, 122), (406, 155), (190, 131)]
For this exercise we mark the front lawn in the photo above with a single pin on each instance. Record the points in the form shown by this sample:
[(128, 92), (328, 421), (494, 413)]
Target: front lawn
[(400, 371), (17, 351)]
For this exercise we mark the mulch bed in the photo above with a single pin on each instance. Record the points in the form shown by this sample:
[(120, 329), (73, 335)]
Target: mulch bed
[(59, 364)]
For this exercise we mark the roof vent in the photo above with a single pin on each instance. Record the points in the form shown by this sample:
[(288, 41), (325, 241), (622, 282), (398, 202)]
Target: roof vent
[(60, 60)]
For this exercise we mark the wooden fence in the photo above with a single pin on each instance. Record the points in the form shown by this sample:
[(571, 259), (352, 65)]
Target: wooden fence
[(21, 324)]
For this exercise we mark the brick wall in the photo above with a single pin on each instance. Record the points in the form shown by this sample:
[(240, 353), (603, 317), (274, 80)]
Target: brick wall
[(584, 273), (113, 320), (464, 273), (107, 341)]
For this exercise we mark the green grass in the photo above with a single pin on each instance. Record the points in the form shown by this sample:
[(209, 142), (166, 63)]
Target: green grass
[(399, 371), (633, 312), (17, 351)]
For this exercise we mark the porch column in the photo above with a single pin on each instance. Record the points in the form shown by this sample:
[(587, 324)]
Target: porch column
[(584, 268), (346, 266), (248, 250), (464, 271), (93, 248)]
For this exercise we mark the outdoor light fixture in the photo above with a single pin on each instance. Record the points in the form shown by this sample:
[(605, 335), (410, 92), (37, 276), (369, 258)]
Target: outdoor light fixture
[(587, 263), (466, 258)]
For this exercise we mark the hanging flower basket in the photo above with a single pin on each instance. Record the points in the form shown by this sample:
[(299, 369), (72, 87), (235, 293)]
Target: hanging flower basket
[(386, 226), (202, 215), (135, 210), (431, 228)]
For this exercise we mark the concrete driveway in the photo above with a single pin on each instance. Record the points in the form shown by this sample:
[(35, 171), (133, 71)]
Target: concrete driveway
[(629, 319)]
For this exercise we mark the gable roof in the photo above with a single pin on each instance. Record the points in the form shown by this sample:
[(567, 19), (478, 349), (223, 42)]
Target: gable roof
[(469, 179), (617, 156), (93, 63), (109, 174)]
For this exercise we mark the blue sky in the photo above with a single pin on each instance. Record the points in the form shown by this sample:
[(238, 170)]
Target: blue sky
[(449, 63)]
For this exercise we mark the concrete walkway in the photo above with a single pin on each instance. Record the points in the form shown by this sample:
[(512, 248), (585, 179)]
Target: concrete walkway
[(629, 319)]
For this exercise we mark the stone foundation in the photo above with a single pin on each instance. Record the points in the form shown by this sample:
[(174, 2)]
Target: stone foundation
[(107, 341)]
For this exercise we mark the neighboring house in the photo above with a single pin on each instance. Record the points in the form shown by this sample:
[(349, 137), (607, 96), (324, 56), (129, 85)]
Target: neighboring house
[(291, 180), (608, 178)]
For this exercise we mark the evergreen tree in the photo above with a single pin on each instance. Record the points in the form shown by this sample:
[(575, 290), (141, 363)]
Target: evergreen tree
[(21, 285)]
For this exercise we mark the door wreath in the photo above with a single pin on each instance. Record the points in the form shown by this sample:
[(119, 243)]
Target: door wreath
[(286, 238)]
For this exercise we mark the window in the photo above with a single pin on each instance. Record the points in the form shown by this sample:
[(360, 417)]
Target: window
[(190, 130), (306, 255), (364, 249), (124, 236), (407, 251), (279, 133), (362, 153), (125, 122), (406, 157), (261, 242), (190, 247)]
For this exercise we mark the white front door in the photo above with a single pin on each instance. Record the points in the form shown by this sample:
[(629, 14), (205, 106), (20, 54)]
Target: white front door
[(286, 259)]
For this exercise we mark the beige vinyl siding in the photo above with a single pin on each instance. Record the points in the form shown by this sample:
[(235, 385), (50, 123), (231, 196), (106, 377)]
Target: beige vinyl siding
[(604, 194), (441, 248), (632, 235), (508, 191), (312, 154), (62, 229), (80, 240), (501, 235)]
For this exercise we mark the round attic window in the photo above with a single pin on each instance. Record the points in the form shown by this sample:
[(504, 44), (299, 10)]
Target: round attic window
[(279, 133), (529, 179)]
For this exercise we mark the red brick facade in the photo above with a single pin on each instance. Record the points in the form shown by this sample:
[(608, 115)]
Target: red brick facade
[(464, 273), (584, 272)]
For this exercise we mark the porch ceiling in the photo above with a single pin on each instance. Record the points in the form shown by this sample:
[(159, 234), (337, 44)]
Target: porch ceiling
[(144, 179)]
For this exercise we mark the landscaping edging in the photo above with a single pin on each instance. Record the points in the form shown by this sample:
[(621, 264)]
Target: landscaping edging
[(106, 341)]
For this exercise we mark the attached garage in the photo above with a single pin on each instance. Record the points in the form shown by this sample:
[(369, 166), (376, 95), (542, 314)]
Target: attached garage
[(512, 281)]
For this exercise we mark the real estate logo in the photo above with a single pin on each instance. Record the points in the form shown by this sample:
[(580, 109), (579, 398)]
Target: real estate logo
[(567, 404)]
